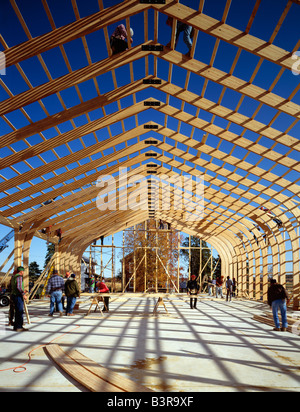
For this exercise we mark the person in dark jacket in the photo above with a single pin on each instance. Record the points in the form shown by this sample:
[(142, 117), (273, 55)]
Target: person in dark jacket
[(72, 293), (277, 297), (18, 295), (119, 39), (193, 290)]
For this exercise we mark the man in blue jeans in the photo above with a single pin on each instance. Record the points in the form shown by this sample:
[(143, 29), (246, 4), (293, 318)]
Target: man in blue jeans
[(72, 292), (277, 296), (55, 287), (187, 34)]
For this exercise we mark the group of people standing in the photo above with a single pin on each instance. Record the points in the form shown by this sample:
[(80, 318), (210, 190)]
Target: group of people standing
[(230, 286), (193, 288), (58, 290), (278, 298), (57, 285)]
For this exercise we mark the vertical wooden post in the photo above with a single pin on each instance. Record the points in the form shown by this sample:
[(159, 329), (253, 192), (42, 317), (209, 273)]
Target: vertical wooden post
[(18, 249), (123, 266), (146, 243), (112, 265), (178, 259), (200, 257), (190, 258), (156, 262), (134, 259), (90, 262), (57, 258)]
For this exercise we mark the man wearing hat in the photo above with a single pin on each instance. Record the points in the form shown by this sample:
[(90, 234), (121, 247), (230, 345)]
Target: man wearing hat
[(18, 294), (193, 290)]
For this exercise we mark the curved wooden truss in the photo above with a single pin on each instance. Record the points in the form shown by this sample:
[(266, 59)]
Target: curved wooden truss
[(246, 163)]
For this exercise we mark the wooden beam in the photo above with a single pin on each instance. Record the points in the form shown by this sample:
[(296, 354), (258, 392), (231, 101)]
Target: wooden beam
[(72, 31)]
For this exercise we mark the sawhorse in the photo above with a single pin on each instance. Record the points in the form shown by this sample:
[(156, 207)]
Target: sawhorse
[(95, 301), (160, 302)]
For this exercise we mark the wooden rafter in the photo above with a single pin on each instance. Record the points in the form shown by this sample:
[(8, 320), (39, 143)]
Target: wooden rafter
[(236, 185)]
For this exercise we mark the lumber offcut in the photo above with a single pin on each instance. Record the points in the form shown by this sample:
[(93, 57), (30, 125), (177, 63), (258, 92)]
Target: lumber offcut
[(267, 319), (91, 375)]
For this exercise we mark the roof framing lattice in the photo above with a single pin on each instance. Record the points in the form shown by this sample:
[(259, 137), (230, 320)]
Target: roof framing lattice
[(70, 112)]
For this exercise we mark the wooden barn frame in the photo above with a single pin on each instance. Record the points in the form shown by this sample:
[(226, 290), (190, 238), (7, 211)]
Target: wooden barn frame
[(251, 213)]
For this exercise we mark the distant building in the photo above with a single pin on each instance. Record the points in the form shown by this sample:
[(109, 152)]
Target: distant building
[(85, 272)]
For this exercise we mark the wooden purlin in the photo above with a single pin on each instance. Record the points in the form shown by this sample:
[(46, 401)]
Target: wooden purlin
[(224, 79), (193, 144), (223, 225), (98, 147), (72, 200), (68, 175), (116, 13), (73, 31), (234, 117), (241, 206), (73, 134), (227, 33), (171, 56), (72, 112), (71, 79), (214, 196)]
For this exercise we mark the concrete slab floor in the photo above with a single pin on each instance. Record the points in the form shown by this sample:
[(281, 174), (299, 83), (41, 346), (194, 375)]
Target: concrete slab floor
[(216, 347)]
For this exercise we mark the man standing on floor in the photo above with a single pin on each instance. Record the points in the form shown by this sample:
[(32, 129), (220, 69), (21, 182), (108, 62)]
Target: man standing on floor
[(102, 288), (277, 297), (18, 295), (55, 287), (72, 292), (193, 290), (219, 286), (228, 289)]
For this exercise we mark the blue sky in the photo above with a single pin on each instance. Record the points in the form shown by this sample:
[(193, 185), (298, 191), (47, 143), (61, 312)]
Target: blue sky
[(38, 23)]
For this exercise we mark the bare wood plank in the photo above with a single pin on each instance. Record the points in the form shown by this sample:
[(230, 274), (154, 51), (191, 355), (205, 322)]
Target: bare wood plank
[(228, 33), (73, 31), (71, 79), (82, 375)]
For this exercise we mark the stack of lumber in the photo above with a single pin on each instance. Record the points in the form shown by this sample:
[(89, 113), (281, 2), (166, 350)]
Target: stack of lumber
[(90, 374), (267, 318)]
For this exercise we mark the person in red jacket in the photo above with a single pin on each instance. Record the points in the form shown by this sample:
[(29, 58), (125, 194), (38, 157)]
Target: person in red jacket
[(102, 288)]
